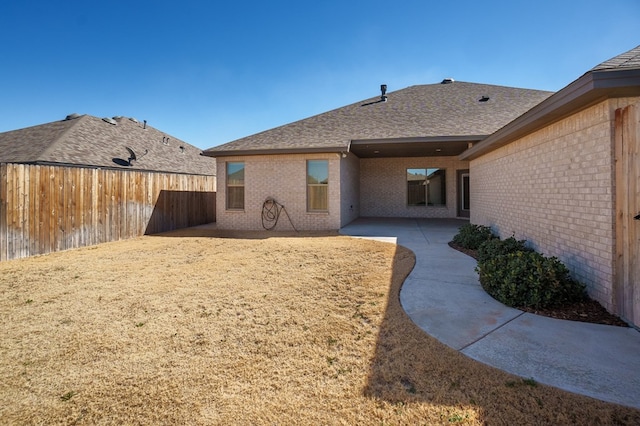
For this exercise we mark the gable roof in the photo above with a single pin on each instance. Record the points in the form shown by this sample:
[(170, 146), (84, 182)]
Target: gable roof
[(93, 142), (616, 77), (409, 118)]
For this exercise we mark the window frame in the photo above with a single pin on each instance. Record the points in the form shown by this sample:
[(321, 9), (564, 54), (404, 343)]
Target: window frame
[(229, 185), (422, 200), (313, 186)]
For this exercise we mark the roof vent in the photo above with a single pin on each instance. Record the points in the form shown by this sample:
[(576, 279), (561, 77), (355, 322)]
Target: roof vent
[(484, 99), (110, 121), (133, 119), (72, 116), (383, 89), (447, 81)]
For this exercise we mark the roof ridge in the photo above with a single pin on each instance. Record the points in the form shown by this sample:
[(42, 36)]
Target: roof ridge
[(58, 140), (630, 57)]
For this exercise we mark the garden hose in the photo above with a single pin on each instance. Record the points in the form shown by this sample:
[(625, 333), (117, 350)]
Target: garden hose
[(271, 210)]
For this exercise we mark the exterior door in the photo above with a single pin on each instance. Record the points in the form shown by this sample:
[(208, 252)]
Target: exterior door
[(464, 198)]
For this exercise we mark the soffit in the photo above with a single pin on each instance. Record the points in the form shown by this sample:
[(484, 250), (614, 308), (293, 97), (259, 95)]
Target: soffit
[(420, 147)]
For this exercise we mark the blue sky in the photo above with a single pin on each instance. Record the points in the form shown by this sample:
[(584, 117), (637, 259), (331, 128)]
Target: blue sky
[(209, 73)]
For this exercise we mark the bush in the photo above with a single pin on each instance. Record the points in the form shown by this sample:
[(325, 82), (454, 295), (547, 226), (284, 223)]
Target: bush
[(529, 279), (472, 236), (497, 247)]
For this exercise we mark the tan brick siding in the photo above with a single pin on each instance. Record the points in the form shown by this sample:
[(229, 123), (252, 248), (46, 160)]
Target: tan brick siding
[(282, 177), (555, 188), (383, 186)]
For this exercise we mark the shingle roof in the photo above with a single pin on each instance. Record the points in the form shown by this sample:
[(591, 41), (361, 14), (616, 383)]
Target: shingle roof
[(614, 78), (433, 110), (627, 60), (91, 141)]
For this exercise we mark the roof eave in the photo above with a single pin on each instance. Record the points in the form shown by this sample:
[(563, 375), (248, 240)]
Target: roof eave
[(591, 88), (282, 151)]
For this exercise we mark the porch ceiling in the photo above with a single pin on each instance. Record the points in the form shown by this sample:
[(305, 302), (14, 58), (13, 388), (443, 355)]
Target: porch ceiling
[(414, 147)]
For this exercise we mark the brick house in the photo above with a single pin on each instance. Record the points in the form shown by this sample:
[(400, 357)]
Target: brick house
[(558, 169), (357, 160)]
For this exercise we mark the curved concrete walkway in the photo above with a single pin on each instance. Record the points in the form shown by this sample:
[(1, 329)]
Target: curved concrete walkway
[(443, 296)]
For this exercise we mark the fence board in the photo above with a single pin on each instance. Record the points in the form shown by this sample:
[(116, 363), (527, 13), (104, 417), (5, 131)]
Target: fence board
[(23, 212), (43, 231), (11, 206), (3, 211), (91, 209), (49, 208), (67, 189), (34, 206), (59, 211), (9, 212), (108, 205), (17, 215), (78, 211)]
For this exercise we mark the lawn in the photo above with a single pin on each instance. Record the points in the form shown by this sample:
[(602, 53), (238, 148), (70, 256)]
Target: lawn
[(202, 327)]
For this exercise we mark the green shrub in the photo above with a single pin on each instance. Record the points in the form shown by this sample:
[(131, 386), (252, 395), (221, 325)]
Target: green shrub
[(497, 247), (472, 236), (529, 279)]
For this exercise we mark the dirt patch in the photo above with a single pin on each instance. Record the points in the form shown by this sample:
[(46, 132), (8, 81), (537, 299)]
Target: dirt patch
[(203, 327), (586, 311)]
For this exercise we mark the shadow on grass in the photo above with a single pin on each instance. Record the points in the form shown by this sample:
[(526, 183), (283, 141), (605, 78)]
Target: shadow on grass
[(210, 231), (403, 352)]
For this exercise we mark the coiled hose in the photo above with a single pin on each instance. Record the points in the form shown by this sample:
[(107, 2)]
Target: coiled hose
[(271, 210)]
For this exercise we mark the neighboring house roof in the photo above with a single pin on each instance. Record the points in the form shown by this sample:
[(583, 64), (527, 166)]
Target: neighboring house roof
[(448, 114), (616, 77), (94, 142)]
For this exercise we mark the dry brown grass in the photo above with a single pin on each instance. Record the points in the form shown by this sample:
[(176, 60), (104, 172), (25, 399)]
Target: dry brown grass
[(194, 327)]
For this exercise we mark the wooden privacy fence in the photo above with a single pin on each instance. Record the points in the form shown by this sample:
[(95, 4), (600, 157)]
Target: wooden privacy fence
[(51, 208), (626, 286)]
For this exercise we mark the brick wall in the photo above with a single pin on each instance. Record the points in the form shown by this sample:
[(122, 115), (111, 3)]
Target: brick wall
[(282, 177), (357, 187), (383, 186), (555, 188)]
